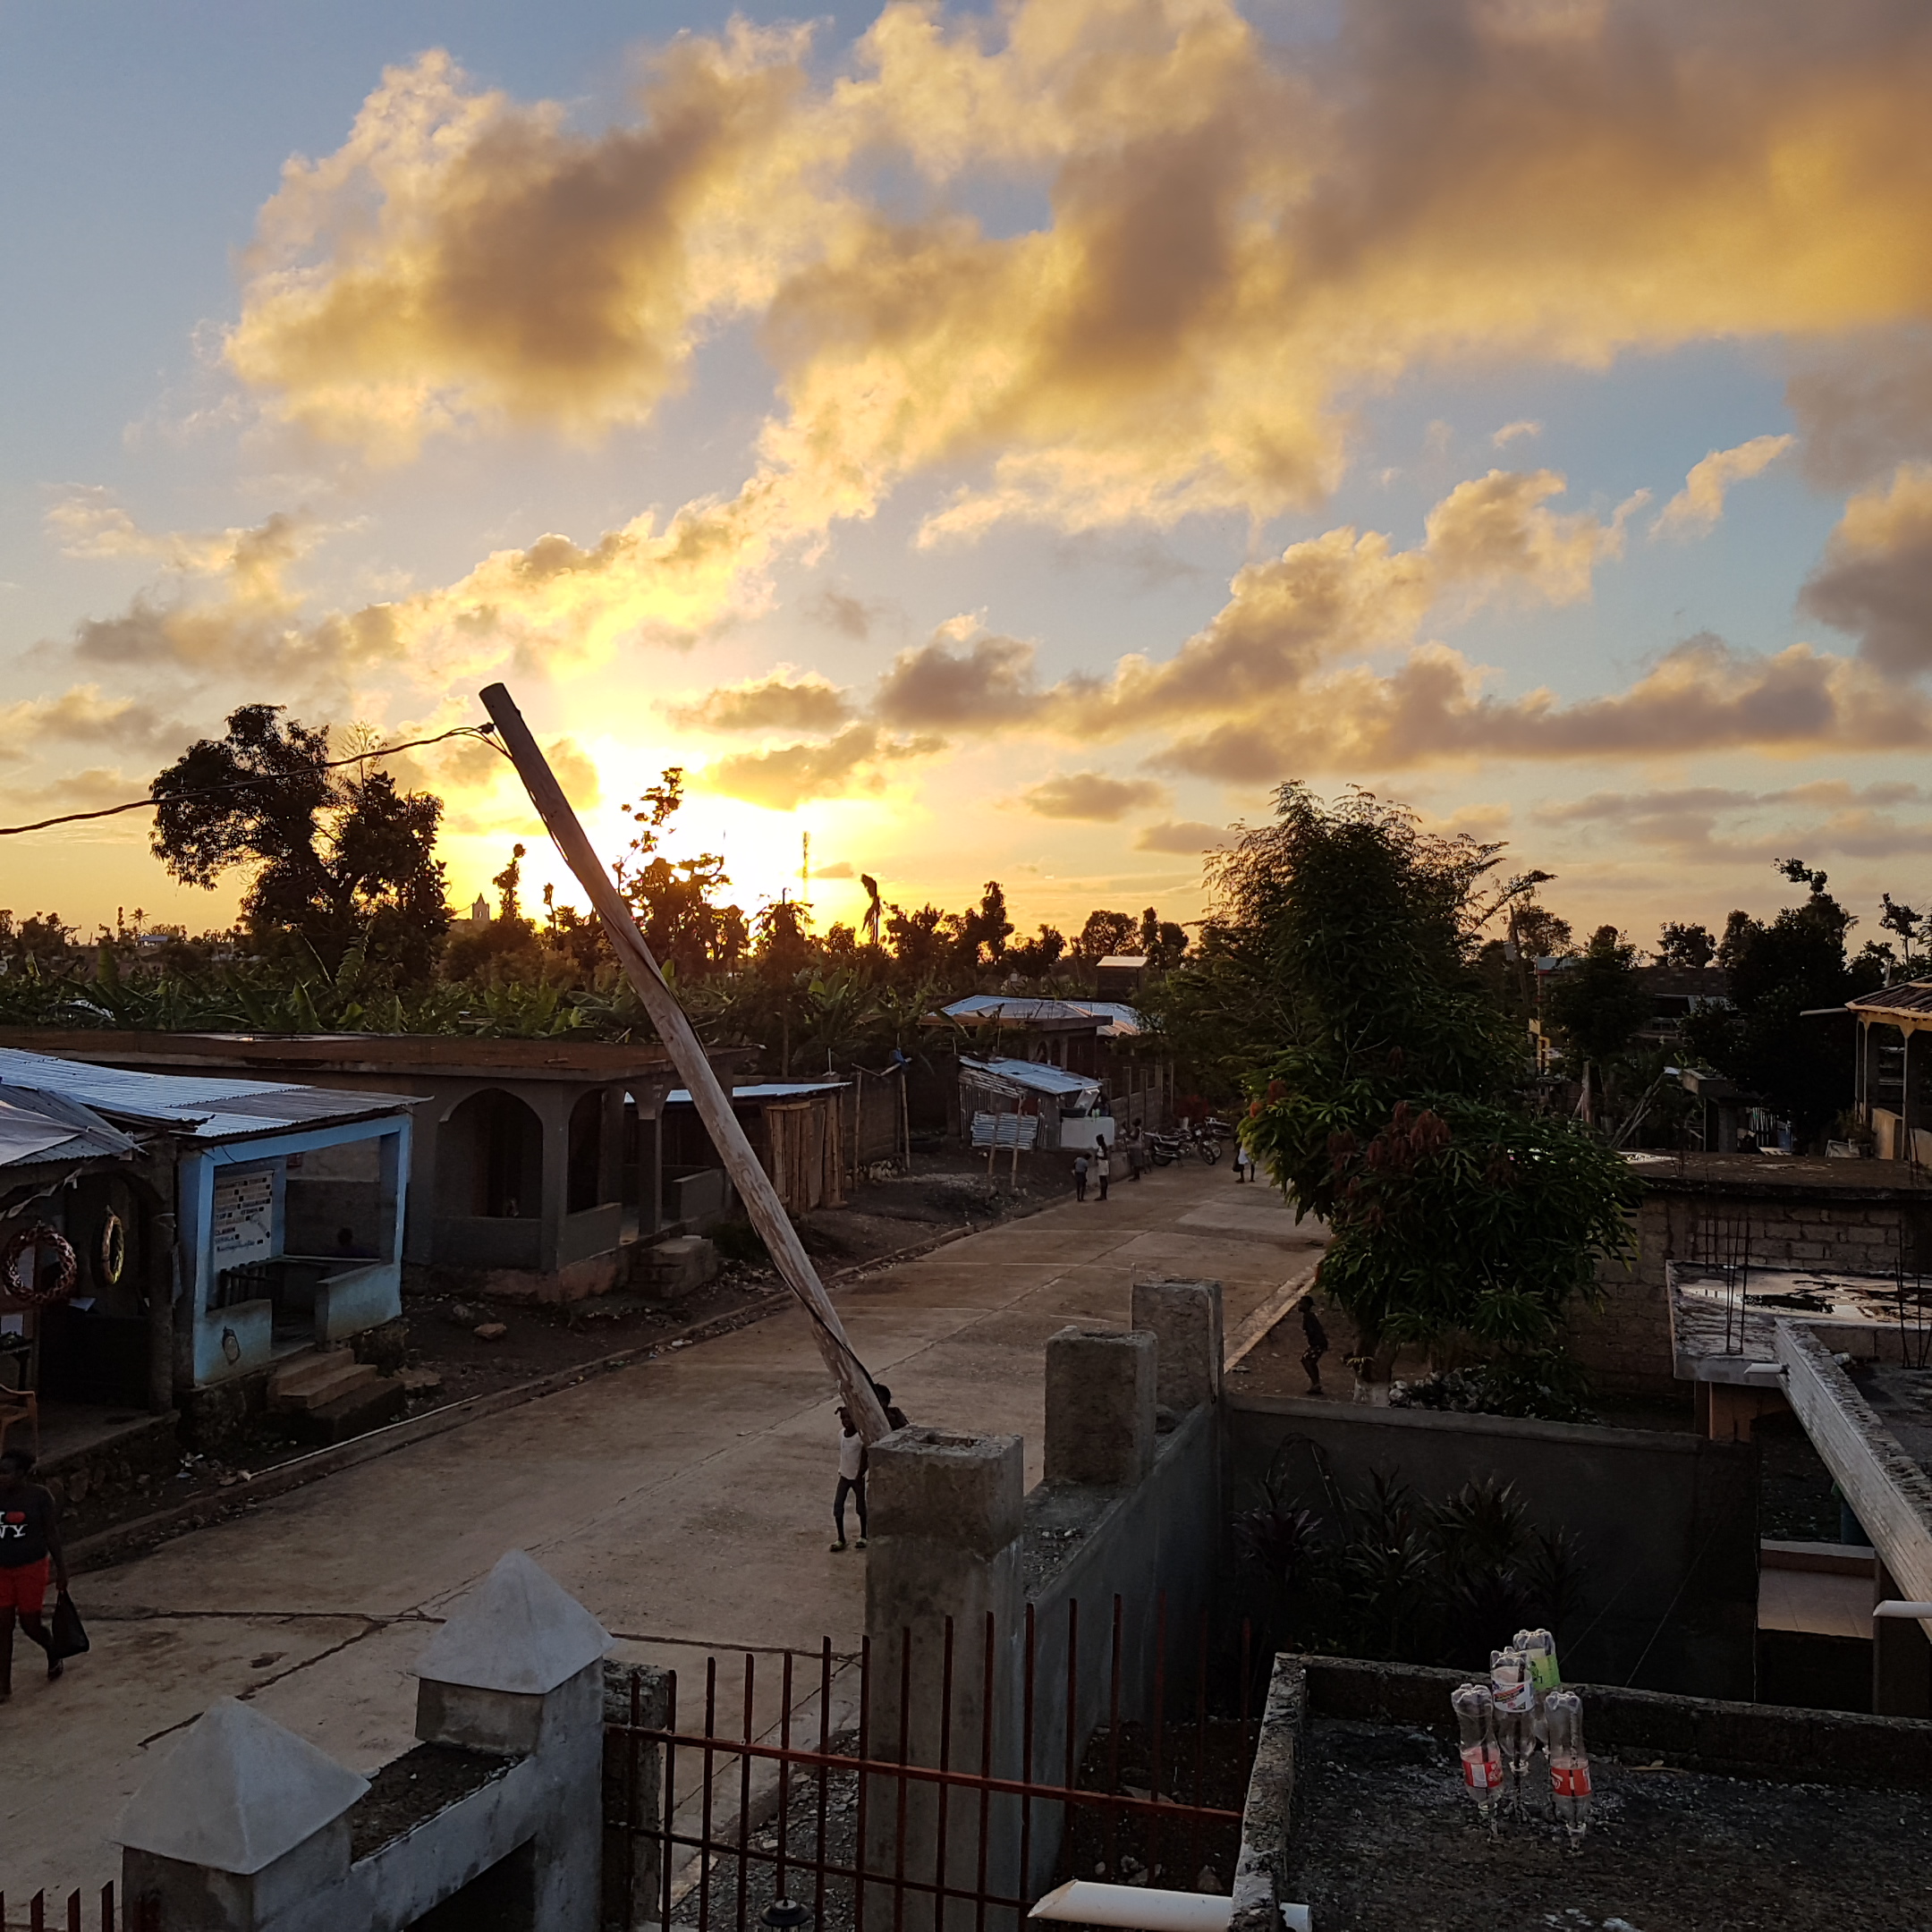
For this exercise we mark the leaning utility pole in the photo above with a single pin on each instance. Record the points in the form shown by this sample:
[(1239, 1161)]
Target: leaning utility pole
[(674, 1029)]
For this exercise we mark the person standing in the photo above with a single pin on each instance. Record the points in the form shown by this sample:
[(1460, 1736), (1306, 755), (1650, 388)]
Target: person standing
[(29, 1548), (1079, 1178), (1317, 1338), (1136, 1153), (1103, 1166), (852, 1476)]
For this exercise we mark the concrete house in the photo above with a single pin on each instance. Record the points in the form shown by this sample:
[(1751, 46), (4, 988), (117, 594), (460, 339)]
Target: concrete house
[(534, 1167), (187, 1231)]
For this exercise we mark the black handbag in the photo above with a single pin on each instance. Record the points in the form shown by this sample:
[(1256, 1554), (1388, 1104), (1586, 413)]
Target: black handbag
[(67, 1637)]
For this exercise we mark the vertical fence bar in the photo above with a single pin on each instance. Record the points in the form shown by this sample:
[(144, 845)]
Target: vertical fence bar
[(1200, 1746), (861, 1862), (905, 1745), (1026, 1762), (824, 1776), (634, 1825), (986, 1771), (670, 1799), (1113, 1769), (1072, 1688), (784, 1779), (1160, 1704), (744, 1792), (1247, 1667), (941, 1795), (704, 1824)]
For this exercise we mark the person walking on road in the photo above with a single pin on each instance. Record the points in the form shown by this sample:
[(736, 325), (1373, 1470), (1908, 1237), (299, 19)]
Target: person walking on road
[(1136, 1152), (29, 1548), (1103, 1166), (1079, 1178)]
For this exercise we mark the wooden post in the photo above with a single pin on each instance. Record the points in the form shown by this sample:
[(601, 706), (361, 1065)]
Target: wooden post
[(687, 1053)]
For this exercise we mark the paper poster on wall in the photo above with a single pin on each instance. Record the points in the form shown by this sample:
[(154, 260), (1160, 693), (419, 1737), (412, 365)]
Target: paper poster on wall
[(244, 1217)]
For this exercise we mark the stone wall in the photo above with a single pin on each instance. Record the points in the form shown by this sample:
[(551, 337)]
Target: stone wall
[(1861, 1216)]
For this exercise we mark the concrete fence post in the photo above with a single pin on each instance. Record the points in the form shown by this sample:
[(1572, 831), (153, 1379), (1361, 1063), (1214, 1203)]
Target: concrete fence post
[(946, 1515), (1100, 1387), (636, 1696), (518, 1671), (1184, 1319), (239, 1824)]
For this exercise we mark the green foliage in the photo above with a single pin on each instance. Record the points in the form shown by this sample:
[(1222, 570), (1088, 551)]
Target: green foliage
[(1538, 1384), (1382, 1573), (337, 861), (1779, 970), (1595, 1004), (1678, 945), (1335, 984)]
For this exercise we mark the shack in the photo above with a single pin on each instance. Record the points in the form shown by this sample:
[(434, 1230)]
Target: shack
[(168, 1234), (797, 1129), (535, 1166), (1105, 1039), (1028, 1104)]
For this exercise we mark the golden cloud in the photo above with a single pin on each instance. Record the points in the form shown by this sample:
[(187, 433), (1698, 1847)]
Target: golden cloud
[(773, 703), (789, 776), (1091, 795), (1242, 237), (1876, 578), (1696, 509)]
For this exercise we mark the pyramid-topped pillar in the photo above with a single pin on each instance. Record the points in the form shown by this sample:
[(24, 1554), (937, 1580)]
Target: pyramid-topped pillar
[(518, 1648), (237, 1824)]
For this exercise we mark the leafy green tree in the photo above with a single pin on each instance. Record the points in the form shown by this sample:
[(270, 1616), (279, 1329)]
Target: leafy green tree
[(1683, 946), (922, 946), (1779, 970), (336, 860), (1104, 933), (1595, 1004), (676, 903), (1336, 981), (1035, 957)]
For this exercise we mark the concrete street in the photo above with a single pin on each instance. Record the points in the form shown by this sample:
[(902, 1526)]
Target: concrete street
[(685, 1501)]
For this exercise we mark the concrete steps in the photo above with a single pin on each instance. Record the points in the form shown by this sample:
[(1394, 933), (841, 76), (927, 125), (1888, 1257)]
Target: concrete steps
[(313, 1381), (328, 1396)]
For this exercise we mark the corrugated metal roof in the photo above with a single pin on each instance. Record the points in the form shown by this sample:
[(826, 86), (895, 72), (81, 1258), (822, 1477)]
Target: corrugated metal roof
[(766, 1090), (1915, 996), (1115, 1015), (42, 1127), (1035, 1076), (210, 1107)]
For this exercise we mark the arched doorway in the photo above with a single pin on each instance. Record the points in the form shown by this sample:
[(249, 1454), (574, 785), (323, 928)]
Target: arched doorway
[(489, 1158), (584, 1162)]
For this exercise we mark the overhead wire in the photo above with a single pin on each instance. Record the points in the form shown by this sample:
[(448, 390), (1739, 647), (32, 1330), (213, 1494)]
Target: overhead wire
[(485, 731)]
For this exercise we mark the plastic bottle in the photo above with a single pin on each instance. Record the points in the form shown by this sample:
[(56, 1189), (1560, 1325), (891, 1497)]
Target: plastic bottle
[(1515, 1714), (1482, 1762), (1569, 1763), (1540, 1648)]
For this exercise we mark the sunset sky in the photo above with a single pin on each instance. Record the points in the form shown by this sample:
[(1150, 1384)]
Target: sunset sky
[(997, 443)]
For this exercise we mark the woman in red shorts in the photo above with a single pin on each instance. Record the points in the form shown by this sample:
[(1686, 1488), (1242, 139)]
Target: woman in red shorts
[(30, 1547)]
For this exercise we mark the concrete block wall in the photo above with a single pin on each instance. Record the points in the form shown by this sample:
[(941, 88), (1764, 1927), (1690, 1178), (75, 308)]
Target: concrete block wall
[(1626, 1342), (1128, 1510), (246, 1827)]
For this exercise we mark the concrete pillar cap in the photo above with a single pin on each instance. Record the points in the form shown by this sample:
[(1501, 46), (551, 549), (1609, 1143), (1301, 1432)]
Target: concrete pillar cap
[(519, 1630), (236, 1794)]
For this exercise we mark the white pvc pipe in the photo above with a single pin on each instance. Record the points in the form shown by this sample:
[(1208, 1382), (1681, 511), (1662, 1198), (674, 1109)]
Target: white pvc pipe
[(1147, 1909), (1894, 1606)]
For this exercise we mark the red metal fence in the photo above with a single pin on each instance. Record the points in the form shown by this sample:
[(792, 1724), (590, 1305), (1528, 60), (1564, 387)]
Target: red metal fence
[(49, 1915), (930, 1785)]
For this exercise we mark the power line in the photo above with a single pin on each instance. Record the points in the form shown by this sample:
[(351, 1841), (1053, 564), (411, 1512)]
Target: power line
[(484, 732)]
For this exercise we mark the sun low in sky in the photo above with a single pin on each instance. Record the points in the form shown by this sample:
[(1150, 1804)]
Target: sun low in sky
[(998, 444)]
